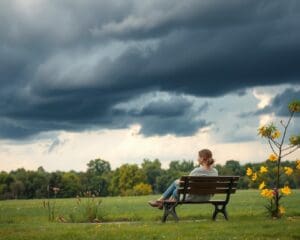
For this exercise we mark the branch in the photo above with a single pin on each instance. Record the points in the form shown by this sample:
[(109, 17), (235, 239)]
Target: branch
[(295, 149), (277, 144), (285, 127), (281, 122), (272, 148), (287, 148)]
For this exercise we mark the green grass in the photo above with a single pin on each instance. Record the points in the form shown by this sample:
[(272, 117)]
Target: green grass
[(132, 218)]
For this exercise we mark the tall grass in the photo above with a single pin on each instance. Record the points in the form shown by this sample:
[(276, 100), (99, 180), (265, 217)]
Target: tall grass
[(86, 210)]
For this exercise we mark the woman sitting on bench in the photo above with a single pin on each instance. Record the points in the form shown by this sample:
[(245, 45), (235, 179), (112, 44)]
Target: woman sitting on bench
[(206, 168)]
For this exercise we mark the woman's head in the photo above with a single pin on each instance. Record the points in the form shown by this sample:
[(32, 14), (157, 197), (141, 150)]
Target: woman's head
[(205, 157)]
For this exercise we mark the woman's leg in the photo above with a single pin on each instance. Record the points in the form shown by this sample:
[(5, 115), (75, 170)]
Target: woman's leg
[(175, 194), (171, 190)]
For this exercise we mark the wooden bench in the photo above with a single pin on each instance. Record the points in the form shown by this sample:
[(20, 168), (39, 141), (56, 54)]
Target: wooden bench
[(202, 186)]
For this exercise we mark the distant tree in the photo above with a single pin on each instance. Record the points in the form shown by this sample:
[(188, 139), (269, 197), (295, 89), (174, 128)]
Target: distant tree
[(184, 167), (5, 181), (20, 174), (41, 170), (34, 182), (70, 184), (113, 187), (96, 178), (6, 178), (3, 190), (98, 166), (232, 167), (152, 170), (17, 189), (130, 175)]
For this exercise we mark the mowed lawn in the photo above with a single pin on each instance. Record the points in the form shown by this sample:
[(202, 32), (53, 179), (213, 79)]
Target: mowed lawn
[(132, 218)]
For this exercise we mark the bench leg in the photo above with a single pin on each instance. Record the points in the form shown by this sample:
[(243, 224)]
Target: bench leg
[(220, 208), (170, 208)]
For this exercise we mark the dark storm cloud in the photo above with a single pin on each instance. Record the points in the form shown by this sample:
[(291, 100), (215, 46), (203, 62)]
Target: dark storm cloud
[(9, 129), (179, 126), (66, 64), (174, 115), (174, 107), (279, 104)]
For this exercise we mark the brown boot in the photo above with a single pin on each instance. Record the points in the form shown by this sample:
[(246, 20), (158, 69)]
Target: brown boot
[(156, 203)]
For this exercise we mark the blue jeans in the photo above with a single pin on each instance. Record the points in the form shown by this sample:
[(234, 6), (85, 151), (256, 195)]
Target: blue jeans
[(171, 191)]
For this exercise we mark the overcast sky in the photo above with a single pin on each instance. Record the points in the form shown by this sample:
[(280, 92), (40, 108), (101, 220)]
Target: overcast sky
[(125, 80)]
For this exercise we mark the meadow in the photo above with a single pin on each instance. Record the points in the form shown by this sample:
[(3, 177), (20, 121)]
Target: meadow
[(132, 218)]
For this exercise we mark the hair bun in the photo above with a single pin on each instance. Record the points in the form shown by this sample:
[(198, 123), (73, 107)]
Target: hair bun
[(210, 161)]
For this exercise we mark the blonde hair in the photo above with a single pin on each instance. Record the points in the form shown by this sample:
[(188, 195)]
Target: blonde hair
[(207, 156)]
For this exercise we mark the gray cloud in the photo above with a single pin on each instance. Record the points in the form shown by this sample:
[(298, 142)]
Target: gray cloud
[(173, 115), (55, 144), (66, 65), (279, 105), (173, 107), (10, 129), (179, 126)]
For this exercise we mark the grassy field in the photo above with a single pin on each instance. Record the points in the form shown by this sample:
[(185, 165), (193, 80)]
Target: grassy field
[(132, 218)]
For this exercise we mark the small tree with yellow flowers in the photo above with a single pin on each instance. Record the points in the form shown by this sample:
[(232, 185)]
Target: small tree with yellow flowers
[(273, 191)]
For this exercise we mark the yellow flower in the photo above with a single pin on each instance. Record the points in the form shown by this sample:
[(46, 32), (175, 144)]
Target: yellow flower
[(293, 140), (276, 134), (254, 177), (281, 210), (286, 190), (262, 185), (249, 171), (288, 171), (273, 157), (298, 164), (263, 169), (267, 193), (262, 131), (294, 106)]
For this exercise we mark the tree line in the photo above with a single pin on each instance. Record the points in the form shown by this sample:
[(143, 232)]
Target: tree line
[(128, 179)]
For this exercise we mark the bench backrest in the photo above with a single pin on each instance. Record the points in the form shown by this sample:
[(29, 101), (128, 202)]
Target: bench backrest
[(199, 185)]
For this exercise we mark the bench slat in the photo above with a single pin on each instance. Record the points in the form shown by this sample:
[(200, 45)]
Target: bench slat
[(202, 202), (207, 178), (205, 191), (208, 184)]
